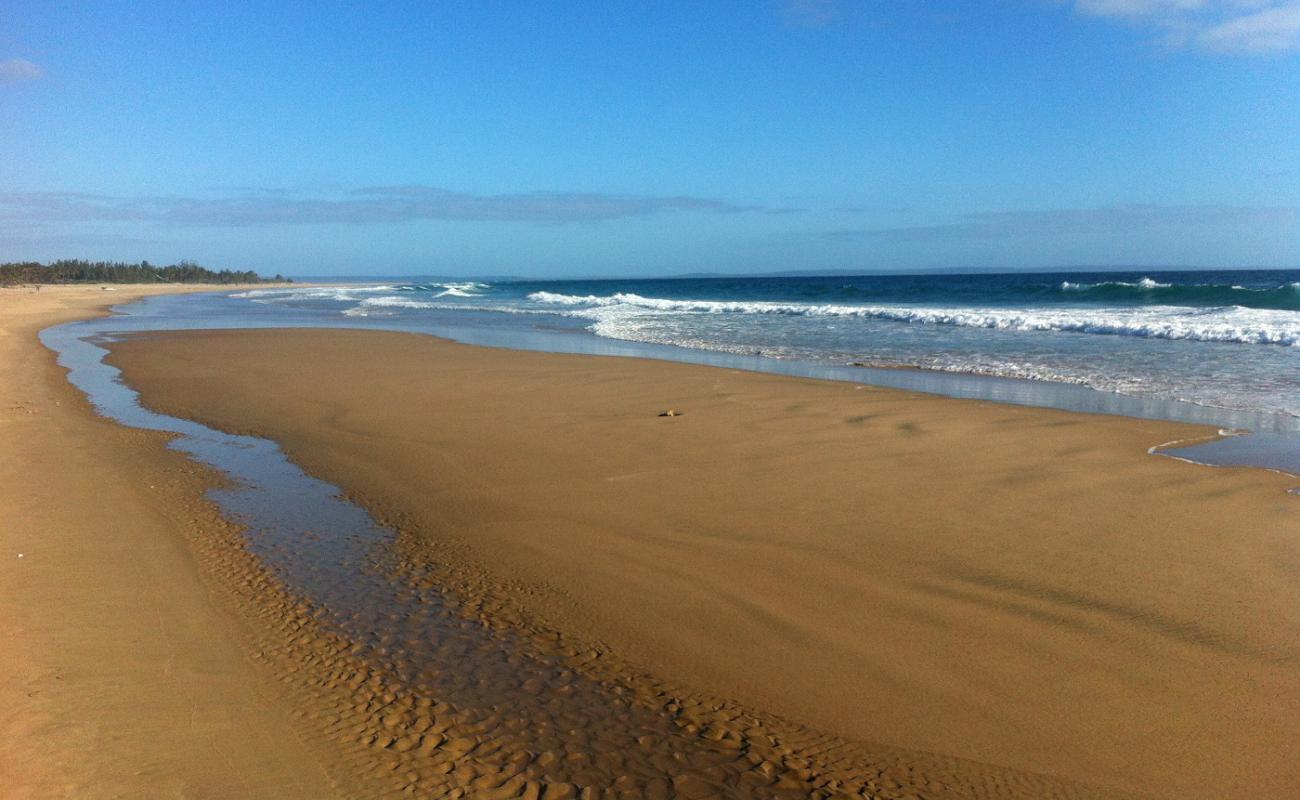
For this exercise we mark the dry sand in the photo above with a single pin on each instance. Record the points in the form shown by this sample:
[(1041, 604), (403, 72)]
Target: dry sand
[(121, 674), (1021, 587)]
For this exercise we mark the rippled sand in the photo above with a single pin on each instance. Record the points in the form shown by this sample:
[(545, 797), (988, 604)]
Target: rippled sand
[(738, 598), (120, 676)]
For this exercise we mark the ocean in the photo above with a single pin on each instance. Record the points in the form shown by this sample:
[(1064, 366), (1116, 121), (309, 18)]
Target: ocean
[(1225, 339), (1218, 348)]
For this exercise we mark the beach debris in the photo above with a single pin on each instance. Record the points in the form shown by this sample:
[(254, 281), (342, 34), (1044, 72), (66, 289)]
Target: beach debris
[(670, 413)]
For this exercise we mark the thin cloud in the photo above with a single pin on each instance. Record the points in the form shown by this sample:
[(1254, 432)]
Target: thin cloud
[(378, 204), (871, 209), (1222, 26), (1115, 220), (27, 236), (1269, 30), (19, 70)]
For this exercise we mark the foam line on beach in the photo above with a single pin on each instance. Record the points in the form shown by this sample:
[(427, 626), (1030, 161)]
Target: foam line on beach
[(1236, 324)]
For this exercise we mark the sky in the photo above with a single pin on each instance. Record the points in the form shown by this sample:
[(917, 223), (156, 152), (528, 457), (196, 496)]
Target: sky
[(543, 139)]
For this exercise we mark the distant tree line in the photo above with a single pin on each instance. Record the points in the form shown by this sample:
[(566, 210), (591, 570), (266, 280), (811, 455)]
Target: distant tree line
[(77, 271)]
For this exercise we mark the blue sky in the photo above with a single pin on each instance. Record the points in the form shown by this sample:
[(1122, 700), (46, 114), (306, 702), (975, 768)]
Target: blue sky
[(544, 139)]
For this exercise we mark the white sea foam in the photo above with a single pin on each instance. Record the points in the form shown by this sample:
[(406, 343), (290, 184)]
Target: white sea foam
[(349, 293), (1144, 283), (1221, 324), (461, 289), (289, 295), (399, 302), (387, 304), (935, 336)]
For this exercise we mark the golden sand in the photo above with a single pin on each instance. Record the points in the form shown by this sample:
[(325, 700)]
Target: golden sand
[(149, 654), (1021, 587), (121, 675)]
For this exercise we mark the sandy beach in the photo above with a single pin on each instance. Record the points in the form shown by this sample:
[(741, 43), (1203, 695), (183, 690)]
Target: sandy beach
[(124, 672), (1024, 588), (791, 589), (794, 400), (149, 653)]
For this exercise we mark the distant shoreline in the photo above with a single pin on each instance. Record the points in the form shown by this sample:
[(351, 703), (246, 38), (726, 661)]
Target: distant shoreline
[(73, 272)]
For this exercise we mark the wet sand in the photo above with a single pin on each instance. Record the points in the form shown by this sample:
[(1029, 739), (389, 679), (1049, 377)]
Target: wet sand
[(122, 672), (151, 651), (1021, 587)]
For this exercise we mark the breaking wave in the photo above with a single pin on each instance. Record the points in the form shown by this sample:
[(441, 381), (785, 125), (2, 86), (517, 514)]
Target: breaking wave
[(1144, 283), (341, 293), (1232, 323), (1284, 297), (348, 294)]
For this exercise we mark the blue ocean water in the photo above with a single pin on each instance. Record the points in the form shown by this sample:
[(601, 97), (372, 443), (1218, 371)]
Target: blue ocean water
[(1217, 339)]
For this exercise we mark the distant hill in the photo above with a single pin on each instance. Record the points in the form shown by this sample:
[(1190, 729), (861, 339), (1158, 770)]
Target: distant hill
[(77, 271)]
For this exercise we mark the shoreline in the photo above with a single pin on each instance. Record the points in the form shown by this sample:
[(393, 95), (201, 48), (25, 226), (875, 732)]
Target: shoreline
[(1146, 374), (672, 738), (302, 439), (1272, 440), (178, 663)]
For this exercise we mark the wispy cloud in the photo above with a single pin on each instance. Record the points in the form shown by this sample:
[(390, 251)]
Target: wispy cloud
[(1269, 29), (1118, 221), (377, 204), (1224, 26), (19, 70), (22, 236)]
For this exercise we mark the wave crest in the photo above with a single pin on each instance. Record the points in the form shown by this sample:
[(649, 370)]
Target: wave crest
[(1225, 324), (1284, 296), (1144, 283)]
